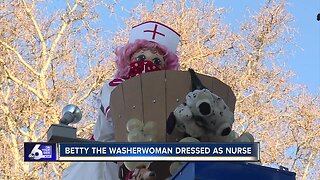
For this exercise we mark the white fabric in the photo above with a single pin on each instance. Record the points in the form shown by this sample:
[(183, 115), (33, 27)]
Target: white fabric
[(156, 32), (103, 131)]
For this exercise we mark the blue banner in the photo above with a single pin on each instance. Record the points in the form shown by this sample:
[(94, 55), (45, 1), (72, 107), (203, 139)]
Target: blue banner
[(159, 152), (40, 152)]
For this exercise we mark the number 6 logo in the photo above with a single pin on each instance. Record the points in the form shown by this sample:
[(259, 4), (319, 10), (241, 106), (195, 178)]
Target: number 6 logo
[(36, 153)]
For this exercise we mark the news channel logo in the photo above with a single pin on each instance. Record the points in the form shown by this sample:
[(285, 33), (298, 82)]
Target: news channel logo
[(39, 152)]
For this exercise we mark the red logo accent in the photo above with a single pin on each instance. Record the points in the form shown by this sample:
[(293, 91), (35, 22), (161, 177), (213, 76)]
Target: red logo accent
[(115, 82), (154, 31)]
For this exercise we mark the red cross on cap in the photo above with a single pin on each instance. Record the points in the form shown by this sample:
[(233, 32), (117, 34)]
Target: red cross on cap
[(156, 32)]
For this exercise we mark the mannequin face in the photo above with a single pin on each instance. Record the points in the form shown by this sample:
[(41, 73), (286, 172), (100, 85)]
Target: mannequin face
[(151, 55)]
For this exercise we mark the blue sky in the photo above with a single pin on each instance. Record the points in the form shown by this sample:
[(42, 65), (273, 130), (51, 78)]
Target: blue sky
[(306, 62), (304, 57)]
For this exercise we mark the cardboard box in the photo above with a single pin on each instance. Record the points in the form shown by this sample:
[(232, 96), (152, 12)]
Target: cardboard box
[(152, 97)]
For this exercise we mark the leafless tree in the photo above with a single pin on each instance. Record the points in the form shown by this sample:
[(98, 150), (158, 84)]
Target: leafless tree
[(47, 59), (51, 57)]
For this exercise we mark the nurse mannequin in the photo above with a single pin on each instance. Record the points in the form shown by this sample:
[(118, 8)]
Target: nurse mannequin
[(151, 47)]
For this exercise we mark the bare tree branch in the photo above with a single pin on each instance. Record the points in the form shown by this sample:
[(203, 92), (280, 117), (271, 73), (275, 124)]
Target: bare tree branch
[(21, 83), (306, 170), (7, 46), (44, 69), (43, 43)]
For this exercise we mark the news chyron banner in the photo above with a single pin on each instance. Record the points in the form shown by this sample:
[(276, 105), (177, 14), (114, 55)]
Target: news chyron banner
[(141, 152)]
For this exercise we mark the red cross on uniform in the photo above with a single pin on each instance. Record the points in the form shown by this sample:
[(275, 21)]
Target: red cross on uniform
[(154, 31)]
